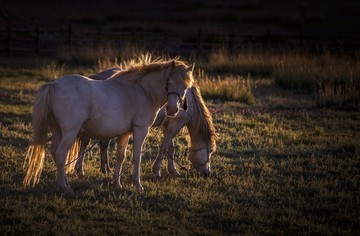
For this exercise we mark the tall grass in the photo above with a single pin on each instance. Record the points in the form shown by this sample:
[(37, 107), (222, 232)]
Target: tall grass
[(245, 62), (334, 79), (52, 71), (106, 63), (230, 88)]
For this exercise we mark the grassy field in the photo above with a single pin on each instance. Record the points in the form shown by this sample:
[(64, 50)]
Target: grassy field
[(286, 163)]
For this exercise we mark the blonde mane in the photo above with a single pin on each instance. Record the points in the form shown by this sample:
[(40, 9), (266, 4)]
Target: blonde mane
[(203, 121), (134, 70)]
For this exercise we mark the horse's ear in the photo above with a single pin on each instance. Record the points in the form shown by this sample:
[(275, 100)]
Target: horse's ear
[(191, 68)]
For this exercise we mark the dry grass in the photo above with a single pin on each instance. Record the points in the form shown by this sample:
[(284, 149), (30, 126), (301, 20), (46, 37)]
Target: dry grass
[(52, 71), (243, 63), (334, 79), (230, 88), (106, 63)]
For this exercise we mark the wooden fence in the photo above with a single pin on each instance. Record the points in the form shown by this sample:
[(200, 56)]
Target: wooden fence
[(37, 40)]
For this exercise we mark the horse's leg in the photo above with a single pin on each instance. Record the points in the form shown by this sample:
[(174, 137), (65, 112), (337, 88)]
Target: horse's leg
[(163, 150), (170, 156), (79, 166), (54, 151), (122, 143), (169, 134), (67, 140), (105, 168), (138, 141)]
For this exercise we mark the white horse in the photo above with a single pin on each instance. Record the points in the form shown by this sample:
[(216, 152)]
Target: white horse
[(127, 102), (195, 116)]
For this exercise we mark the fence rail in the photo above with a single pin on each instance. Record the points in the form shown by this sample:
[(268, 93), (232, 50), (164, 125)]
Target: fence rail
[(37, 40)]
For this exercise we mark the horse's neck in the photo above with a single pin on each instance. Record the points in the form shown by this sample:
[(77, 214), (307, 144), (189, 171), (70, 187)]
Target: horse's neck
[(154, 87), (196, 140)]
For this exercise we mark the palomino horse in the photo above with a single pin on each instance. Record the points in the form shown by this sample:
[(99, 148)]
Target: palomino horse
[(127, 102), (196, 117), (198, 121)]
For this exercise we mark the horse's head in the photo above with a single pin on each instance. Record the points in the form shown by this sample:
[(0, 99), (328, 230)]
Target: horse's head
[(179, 79), (200, 159)]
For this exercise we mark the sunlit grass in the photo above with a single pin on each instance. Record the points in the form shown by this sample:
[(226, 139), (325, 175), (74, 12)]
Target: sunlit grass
[(333, 78), (106, 63), (52, 71), (230, 88), (242, 62)]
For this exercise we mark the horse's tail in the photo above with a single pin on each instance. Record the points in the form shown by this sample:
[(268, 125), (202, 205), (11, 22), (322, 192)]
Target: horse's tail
[(72, 155), (40, 118)]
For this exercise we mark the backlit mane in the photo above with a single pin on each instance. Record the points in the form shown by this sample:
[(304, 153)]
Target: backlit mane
[(203, 121), (135, 70)]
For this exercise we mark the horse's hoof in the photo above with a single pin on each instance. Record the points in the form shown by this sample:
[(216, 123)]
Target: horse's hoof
[(80, 174), (156, 177), (69, 194), (79, 171), (139, 187), (105, 170), (156, 169), (174, 173), (117, 185)]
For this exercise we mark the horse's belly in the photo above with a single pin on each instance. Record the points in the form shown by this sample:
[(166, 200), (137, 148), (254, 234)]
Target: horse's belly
[(98, 129)]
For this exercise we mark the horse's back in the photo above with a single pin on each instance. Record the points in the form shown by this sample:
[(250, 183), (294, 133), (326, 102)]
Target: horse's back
[(71, 81), (105, 74)]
